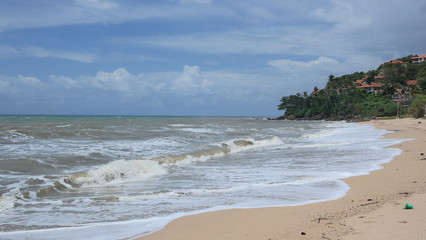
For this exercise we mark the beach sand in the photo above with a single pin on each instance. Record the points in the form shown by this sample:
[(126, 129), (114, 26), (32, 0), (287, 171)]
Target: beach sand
[(372, 209)]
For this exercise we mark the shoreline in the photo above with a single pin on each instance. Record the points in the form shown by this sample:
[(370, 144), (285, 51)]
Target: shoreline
[(402, 179)]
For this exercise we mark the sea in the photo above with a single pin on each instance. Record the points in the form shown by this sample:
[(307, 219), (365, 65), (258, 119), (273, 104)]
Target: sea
[(121, 177)]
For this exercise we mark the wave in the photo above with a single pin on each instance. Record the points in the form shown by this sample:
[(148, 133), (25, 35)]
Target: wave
[(222, 148), (128, 170), (120, 171), (15, 136), (321, 134), (314, 145)]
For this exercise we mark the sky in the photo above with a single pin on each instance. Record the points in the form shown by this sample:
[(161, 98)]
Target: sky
[(191, 57)]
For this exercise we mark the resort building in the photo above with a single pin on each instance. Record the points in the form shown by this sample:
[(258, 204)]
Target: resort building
[(418, 59), (411, 82), (395, 62), (372, 88), (378, 77)]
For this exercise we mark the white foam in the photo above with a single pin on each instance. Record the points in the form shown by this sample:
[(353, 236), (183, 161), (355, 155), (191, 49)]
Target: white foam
[(120, 171), (318, 145), (7, 202), (64, 126), (320, 134), (237, 145), (228, 147), (15, 137)]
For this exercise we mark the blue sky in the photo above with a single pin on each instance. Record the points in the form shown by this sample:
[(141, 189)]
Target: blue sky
[(191, 57)]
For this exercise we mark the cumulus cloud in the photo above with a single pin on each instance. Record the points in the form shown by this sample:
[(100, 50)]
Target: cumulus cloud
[(67, 82), (6, 87), (119, 80), (31, 81), (191, 82), (21, 86)]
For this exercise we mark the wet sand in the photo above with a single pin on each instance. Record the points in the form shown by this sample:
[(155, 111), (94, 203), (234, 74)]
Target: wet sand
[(372, 209)]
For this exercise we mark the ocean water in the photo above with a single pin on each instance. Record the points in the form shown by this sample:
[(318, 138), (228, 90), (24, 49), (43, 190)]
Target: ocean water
[(108, 177)]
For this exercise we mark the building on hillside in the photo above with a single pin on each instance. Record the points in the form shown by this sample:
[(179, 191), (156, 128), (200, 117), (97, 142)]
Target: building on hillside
[(378, 77), (395, 62), (314, 92), (360, 81), (372, 88), (411, 82), (402, 95), (418, 59)]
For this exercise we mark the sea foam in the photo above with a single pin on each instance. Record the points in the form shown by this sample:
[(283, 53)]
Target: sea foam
[(119, 171)]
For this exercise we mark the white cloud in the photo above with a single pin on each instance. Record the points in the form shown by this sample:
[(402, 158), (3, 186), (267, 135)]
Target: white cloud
[(31, 81), (347, 16), (20, 86), (195, 1), (67, 82), (39, 52), (59, 13), (45, 53), (290, 65), (119, 80), (7, 88), (97, 4), (191, 82)]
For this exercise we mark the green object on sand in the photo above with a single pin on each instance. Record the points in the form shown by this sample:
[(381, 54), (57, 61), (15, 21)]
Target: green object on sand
[(408, 206)]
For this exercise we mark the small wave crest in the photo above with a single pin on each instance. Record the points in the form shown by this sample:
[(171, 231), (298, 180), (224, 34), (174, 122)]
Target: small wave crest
[(119, 171), (222, 148), (15, 136)]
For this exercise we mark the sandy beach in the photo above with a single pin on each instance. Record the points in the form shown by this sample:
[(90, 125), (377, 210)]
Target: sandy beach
[(372, 209)]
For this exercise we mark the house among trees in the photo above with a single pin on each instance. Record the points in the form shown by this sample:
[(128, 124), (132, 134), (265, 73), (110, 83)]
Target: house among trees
[(411, 82), (378, 77), (372, 87), (418, 59), (395, 62)]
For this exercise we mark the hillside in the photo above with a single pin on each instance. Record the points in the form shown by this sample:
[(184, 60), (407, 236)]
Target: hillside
[(395, 88)]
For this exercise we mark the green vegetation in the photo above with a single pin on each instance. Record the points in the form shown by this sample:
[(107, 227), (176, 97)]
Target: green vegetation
[(385, 92), (417, 108)]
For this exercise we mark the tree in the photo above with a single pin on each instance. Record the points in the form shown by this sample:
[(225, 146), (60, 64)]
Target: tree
[(422, 83), (417, 108)]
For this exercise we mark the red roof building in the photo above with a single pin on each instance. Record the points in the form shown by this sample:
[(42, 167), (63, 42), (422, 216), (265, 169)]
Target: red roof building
[(372, 88), (360, 81), (394, 62), (314, 92), (411, 82), (418, 59)]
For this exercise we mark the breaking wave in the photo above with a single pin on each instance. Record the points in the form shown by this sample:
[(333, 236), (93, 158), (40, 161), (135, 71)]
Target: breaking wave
[(120, 171)]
